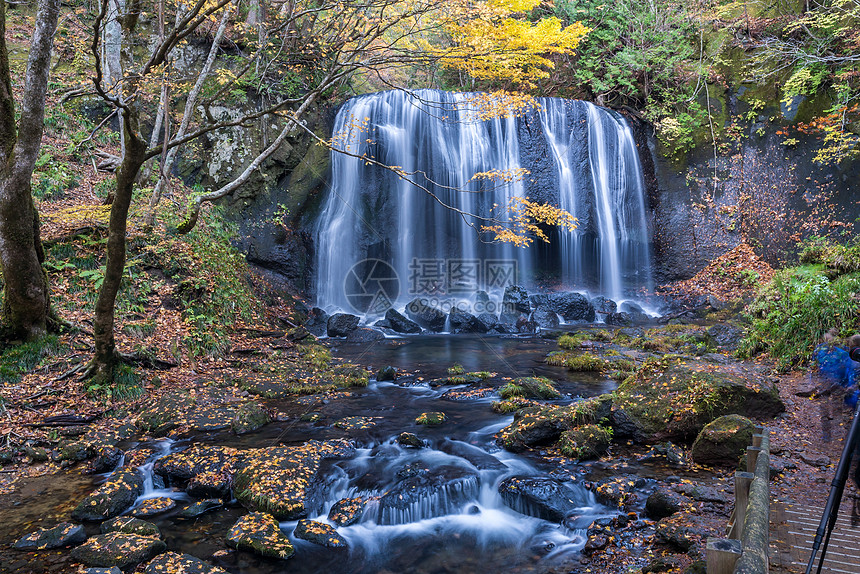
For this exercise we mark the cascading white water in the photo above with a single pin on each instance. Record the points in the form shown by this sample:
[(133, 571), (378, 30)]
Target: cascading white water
[(579, 157)]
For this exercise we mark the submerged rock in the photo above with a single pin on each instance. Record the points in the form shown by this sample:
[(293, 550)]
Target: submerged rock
[(387, 373), (175, 563), (118, 549), (62, 535), (541, 497), (341, 324), (112, 498), (400, 323), (410, 440), (476, 457), (364, 335), (427, 493), (259, 532), (431, 418), (319, 533), (723, 441), (201, 507)]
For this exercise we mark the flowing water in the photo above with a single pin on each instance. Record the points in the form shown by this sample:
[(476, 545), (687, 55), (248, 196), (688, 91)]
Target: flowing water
[(424, 220), (449, 519)]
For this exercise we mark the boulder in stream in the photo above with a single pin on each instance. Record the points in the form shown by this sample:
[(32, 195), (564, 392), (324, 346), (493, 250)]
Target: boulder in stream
[(280, 480), (118, 549), (541, 497), (425, 315), (400, 323), (60, 536), (112, 498), (259, 532), (347, 511), (319, 533), (572, 306), (341, 324), (130, 525), (175, 563), (364, 335)]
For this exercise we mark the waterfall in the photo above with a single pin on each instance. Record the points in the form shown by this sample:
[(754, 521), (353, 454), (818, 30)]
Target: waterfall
[(578, 156)]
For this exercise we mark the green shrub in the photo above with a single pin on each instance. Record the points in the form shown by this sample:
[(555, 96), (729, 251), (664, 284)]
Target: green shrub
[(791, 314)]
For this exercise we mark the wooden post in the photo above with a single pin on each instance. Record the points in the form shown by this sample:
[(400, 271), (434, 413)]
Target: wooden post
[(752, 457), (743, 480), (721, 555), (756, 440)]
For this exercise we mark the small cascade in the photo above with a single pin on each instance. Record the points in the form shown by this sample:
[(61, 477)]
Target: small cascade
[(423, 222)]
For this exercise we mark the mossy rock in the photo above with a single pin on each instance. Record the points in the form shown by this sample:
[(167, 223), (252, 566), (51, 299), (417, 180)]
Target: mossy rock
[(534, 426), (167, 413), (512, 405), (579, 362), (175, 563), (251, 416), (409, 439), (279, 480), (112, 498), (118, 549), (673, 398), (431, 418), (530, 388), (259, 532), (62, 535), (211, 418), (723, 441), (130, 525), (585, 442), (462, 378), (350, 376), (180, 467), (319, 533), (153, 507)]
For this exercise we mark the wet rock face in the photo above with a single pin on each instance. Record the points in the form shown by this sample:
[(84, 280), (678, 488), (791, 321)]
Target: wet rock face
[(180, 467), (426, 493), (279, 480), (539, 425), (62, 535), (118, 549), (541, 497), (399, 323), (516, 300), (259, 532), (572, 306), (347, 511), (341, 324), (317, 322), (430, 318), (545, 318), (463, 322), (723, 441), (174, 563), (319, 533), (200, 508), (112, 498)]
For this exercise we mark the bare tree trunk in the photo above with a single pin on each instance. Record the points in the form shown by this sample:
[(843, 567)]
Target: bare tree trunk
[(190, 103), (26, 305), (106, 358)]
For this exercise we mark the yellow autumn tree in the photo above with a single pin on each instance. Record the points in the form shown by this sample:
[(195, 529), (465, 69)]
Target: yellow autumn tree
[(495, 41)]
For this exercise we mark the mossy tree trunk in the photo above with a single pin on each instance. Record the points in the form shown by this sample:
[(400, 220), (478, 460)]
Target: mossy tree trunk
[(26, 305)]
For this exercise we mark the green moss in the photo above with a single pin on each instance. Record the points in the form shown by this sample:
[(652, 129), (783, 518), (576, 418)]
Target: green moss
[(530, 387), (512, 405), (585, 442), (431, 418), (457, 369)]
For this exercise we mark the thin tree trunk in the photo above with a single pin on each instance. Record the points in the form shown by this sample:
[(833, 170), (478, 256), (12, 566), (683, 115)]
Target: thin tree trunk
[(190, 103), (26, 305), (106, 358)]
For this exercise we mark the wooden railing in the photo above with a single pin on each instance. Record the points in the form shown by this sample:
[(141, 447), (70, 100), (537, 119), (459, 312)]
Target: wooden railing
[(744, 550)]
